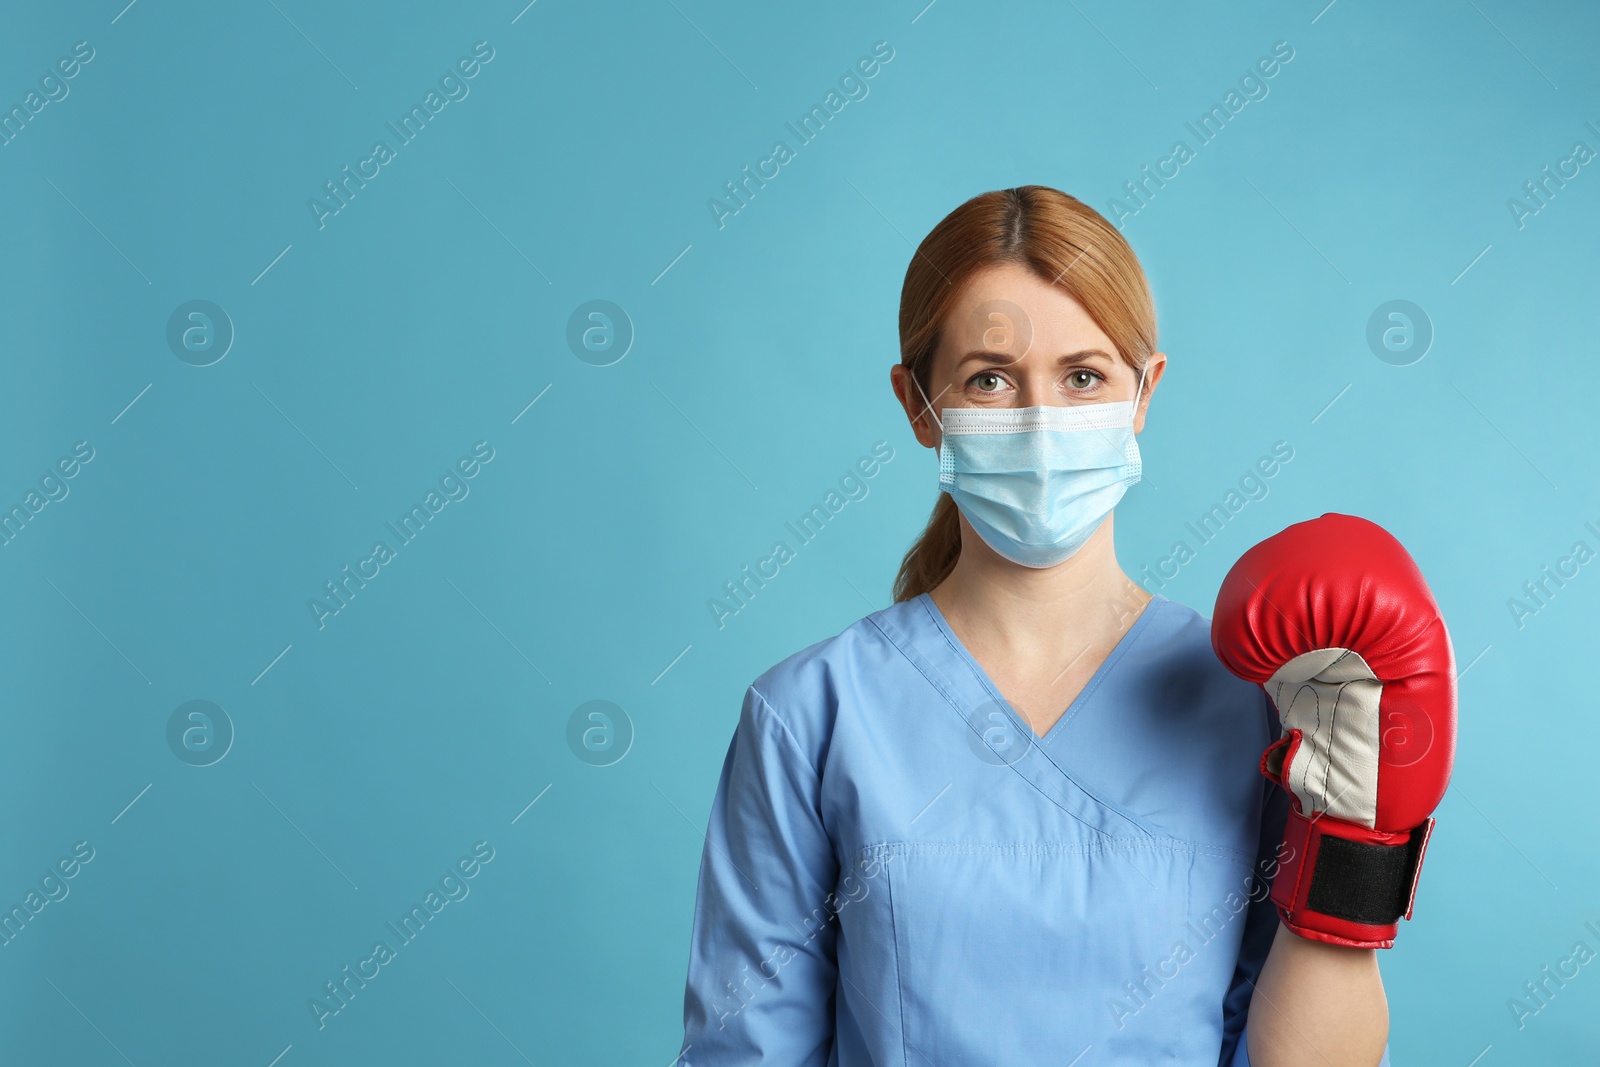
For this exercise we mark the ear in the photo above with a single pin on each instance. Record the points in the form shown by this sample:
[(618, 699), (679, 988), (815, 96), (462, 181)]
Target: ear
[(917, 413), (1154, 369)]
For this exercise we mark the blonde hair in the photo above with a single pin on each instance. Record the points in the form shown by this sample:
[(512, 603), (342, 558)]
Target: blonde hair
[(1065, 243)]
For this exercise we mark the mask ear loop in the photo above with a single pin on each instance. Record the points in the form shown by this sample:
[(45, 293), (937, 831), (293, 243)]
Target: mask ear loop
[(947, 458), (928, 405), (1133, 417)]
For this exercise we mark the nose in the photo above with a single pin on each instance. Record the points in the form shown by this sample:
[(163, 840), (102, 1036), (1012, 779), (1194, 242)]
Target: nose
[(1033, 392)]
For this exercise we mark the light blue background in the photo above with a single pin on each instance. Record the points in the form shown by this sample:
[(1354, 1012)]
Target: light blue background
[(430, 311)]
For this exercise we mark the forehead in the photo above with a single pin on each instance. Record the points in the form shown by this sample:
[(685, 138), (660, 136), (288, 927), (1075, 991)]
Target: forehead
[(1009, 308)]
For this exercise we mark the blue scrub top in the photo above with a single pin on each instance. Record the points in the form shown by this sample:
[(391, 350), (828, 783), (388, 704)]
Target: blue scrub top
[(898, 871)]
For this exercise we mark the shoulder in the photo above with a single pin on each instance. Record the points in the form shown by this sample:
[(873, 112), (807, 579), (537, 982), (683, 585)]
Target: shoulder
[(803, 690)]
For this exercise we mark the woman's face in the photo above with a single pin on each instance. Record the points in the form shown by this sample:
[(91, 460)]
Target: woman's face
[(1014, 341)]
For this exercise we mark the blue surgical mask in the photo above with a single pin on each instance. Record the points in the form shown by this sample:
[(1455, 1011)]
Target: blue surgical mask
[(1036, 482)]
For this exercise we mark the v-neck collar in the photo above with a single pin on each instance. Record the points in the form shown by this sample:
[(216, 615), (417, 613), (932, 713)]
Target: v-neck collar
[(926, 641), (1125, 642)]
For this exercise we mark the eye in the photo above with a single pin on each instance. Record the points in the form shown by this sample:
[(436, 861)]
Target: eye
[(1084, 380), (987, 382)]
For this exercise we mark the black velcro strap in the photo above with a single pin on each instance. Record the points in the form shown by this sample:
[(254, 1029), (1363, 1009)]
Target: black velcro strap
[(1364, 883)]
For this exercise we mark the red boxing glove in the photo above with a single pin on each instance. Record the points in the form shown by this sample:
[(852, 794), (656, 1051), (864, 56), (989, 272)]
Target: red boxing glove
[(1332, 618)]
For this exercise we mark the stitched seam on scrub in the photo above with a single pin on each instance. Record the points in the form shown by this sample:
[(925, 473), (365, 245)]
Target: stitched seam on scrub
[(1105, 670), (909, 848), (880, 620), (899, 972), (804, 761), (819, 887), (1176, 845)]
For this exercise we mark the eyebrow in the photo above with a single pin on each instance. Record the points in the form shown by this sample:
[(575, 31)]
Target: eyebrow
[(1002, 359)]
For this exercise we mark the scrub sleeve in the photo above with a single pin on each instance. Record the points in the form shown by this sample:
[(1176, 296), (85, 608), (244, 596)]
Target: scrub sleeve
[(762, 965)]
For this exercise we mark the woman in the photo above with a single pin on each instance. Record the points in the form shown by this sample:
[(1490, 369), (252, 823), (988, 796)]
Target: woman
[(1016, 817)]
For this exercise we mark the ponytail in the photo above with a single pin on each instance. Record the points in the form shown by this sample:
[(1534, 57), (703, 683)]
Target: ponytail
[(933, 556)]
